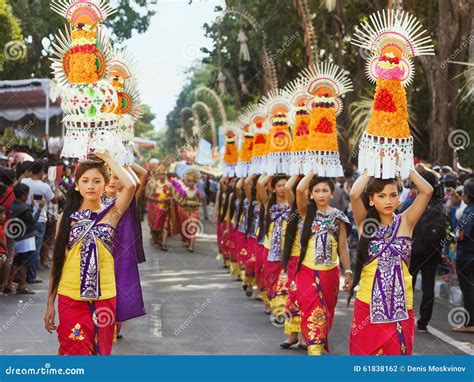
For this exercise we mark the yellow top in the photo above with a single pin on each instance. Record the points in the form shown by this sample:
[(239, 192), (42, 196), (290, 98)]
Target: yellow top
[(367, 281), (296, 249), (268, 236), (309, 259), (70, 283)]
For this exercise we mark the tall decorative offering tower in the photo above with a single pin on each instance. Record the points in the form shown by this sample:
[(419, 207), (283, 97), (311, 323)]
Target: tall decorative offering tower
[(88, 99), (231, 153), (256, 118), (277, 108), (122, 76), (298, 97), (326, 83), (393, 38), (245, 155)]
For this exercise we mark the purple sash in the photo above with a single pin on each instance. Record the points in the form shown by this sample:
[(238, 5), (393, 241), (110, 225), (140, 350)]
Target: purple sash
[(278, 214), (87, 229), (244, 221), (388, 300), (128, 252)]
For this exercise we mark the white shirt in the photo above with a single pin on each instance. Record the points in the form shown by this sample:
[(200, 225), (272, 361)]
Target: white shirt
[(25, 245), (38, 187)]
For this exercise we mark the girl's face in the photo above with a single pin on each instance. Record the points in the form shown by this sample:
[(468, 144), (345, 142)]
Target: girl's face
[(114, 185), (321, 194), (91, 184), (280, 188), (387, 200)]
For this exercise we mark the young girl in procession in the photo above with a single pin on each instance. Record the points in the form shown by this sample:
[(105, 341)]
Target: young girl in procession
[(253, 247), (241, 237), (291, 253), (233, 204), (218, 218), (323, 246), (159, 197), (82, 275), (384, 321), (277, 211), (190, 203)]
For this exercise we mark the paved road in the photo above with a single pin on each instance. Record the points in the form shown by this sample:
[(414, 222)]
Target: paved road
[(194, 308)]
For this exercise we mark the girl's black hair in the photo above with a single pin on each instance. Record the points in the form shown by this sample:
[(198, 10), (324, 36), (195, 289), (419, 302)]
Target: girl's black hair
[(374, 186), (232, 205), (241, 206), (261, 223), (253, 198), (225, 206), (311, 214), (272, 201), (291, 230), (73, 203), (222, 204)]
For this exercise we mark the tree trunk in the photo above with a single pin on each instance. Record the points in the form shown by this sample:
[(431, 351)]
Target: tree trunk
[(442, 77)]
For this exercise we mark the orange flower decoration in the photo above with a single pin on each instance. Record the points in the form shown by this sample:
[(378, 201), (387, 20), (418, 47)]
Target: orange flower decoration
[(389, 112), (83, 68), (246, 150), (322, 130), (300, 132)]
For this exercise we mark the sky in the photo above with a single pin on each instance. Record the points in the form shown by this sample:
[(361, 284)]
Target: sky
[(170, 45)]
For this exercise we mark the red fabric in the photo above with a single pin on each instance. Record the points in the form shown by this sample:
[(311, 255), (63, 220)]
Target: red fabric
[(231, 245), (378, 339), (272, 274), (251, 257), (3, 248), (6, 200), (241, 247), (158, 218), (260, 258), (189, 222), (80, 340), (317, 309), (291, 302), (225, 241)]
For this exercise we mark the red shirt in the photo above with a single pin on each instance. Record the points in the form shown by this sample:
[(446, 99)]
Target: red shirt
[(6, 200), (3, 248)]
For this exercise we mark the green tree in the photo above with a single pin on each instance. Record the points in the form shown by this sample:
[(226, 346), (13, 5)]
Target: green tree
[(10, 34), (143, 125)]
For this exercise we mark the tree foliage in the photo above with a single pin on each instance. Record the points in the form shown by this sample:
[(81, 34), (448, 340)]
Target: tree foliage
[(10, 32)]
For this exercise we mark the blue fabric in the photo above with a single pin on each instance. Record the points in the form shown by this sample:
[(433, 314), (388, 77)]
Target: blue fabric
[(33, 265)]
